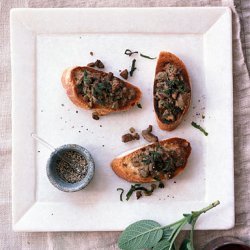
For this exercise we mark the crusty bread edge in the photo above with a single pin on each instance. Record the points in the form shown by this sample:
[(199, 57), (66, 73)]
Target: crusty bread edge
[(69, 84), (169, 57), (117, 163)]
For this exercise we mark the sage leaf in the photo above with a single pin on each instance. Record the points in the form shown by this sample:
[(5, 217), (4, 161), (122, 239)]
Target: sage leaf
[(189, 218), (162, 245), (167, 232), (175, 228), (186, 245), (141, 234)]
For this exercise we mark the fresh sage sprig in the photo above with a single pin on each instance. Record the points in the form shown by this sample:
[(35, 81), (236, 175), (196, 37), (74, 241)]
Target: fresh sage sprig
[(150, 234)]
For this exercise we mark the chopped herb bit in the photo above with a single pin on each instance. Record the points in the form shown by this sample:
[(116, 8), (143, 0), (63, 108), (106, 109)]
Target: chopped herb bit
[(122, 191), (133, 68), (138, 187), (139, 105), (129, 52), (152, 58), (200, 128), (130, 192)]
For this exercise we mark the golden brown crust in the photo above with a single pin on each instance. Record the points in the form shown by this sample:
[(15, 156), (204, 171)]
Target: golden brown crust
[(167, 57), (69, 83), (123, 167)]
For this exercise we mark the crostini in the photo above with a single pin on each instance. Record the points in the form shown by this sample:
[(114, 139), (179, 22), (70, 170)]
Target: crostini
[(157, 161), (99, 91), (172, 91)]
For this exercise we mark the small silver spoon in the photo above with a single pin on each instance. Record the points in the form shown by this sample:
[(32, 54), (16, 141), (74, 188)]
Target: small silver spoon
[(49, 146)]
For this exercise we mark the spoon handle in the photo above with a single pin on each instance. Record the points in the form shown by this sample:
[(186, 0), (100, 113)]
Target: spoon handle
[(42, 141)]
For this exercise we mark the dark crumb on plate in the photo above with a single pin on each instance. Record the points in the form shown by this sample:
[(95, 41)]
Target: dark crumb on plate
[(52, 214), (103, 146), (161, 185), (120, 70), (136, 136), (174, 181), (87, 129), (138, 194), (148, 136), (72, 127), (91, 53), (127, 137), (139, 105), (132, 130), (100, 126), (38, 151), (203, 116), (41, 110), (62, 105), (92, 64), (95, 116), (124, 74), (79, 131), (99, 64), (77, 111)]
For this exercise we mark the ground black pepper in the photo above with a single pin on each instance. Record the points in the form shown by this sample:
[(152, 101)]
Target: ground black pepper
[(73, 172)]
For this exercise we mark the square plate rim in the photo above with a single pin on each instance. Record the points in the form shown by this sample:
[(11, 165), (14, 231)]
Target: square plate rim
[(13, 11)]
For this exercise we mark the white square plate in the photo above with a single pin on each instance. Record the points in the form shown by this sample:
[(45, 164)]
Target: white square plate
[(46, 41)]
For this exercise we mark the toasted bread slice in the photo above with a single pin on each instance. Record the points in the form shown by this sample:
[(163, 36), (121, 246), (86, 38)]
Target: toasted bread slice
[(72, 77), (175, 151), (172, 91)]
